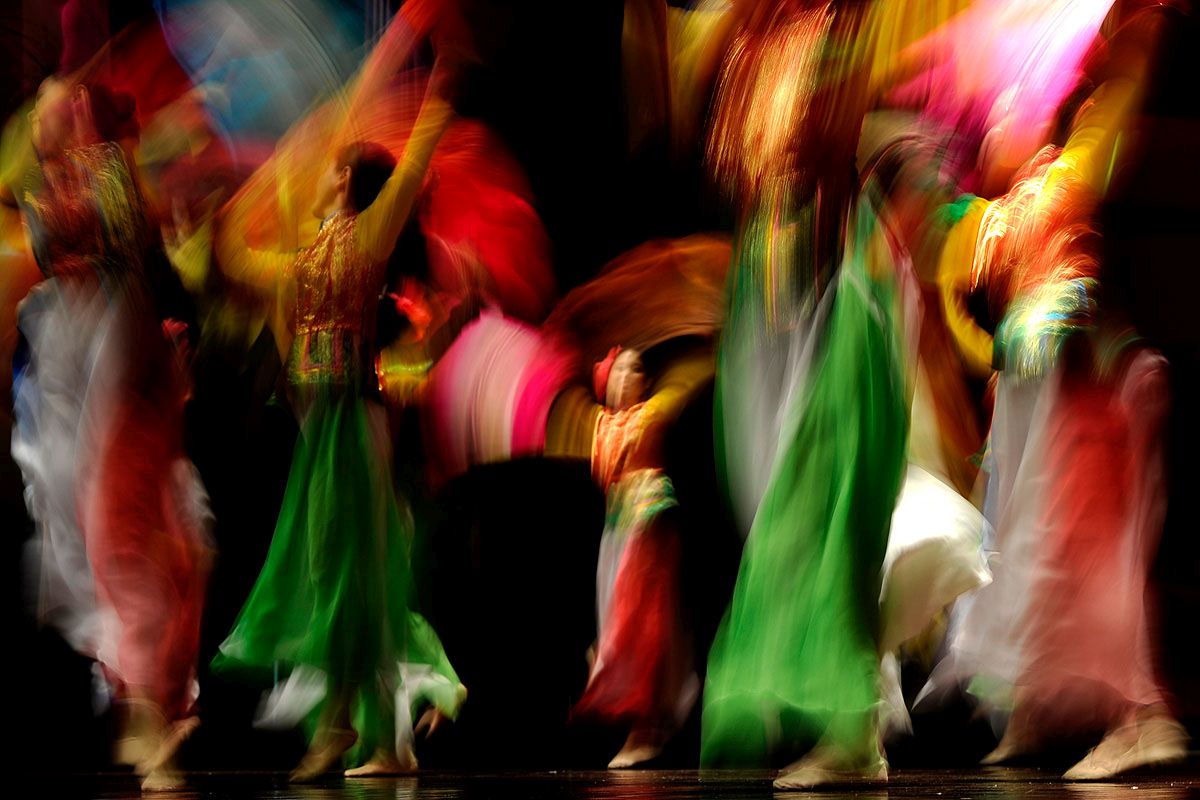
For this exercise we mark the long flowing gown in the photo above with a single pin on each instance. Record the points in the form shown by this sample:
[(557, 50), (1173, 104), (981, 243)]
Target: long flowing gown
[(643, 673), (796, 657), (1074, 493), (333, 601), (123, 551), (1064, 633)]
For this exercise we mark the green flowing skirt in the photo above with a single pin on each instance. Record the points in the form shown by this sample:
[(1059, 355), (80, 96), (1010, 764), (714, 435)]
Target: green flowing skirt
[(333, 599), (795, 657)]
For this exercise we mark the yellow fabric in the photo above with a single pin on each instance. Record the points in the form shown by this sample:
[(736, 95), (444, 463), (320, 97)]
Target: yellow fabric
[(191, 256), (895, 37), (376, 228), (381, 223), (571, 425), (954, 285), (1092, 145)]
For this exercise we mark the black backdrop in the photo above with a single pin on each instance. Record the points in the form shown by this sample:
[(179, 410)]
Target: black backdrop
[(511, 549)]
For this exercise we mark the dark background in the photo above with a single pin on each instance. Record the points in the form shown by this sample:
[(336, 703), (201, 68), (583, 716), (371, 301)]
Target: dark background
[(511, 549)]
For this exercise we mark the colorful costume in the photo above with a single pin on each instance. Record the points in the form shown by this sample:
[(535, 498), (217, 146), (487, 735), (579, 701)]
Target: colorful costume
[(333, 600), (642, 674), (124, 552)]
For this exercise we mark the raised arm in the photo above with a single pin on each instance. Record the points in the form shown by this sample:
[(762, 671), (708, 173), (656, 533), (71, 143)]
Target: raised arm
[(284, 182), (680, 381), (1092, 147), (380, 224), (410, 26), (258, 269)]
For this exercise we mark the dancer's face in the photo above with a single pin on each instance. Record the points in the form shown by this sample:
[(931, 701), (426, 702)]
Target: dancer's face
[(331, 190), (626, 381), (52, 119)]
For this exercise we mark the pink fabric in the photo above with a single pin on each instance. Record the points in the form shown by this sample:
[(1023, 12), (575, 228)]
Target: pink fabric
[(148, 555), (544, 380), (487, 235), (1002, 68), (490, 395), (1088, 622)]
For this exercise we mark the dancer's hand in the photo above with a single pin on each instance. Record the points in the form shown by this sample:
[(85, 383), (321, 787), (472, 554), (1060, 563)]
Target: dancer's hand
[(455, 49), (433, 718), (429, 722)]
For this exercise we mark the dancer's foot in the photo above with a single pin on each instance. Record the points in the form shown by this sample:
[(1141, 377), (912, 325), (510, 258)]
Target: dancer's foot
[(643, 744), (826, 766), (163, 779), (1001, 755), (160, 772), (1151, 741), (1161, 740), (164, 756), (385, 764), (631, 756), (142, 731), (326, 751), (1012, 745)]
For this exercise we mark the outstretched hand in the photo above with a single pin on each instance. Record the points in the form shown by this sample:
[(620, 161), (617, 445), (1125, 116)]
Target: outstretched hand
[(429, 722), (455, 51)]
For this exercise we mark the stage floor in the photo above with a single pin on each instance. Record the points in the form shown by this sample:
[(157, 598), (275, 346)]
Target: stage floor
[(993, 783)]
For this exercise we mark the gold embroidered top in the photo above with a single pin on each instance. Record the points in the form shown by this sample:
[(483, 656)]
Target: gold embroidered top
[(339, 277), (335, 280), (336, 284), (89, 218), (632, 439)]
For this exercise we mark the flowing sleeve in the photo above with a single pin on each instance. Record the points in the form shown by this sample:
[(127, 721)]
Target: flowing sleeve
[(380, 224), (571, 427), (490, 396), (271, 205), (259, 269), (1091, 149), (679, 383), (1092, 146)]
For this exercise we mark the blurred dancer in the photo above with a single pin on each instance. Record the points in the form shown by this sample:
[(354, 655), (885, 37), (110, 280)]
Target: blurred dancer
[(934, 550), (811, 395), (1062, 639), (642, 673), (505, 390), (332, 601), (122, 515)]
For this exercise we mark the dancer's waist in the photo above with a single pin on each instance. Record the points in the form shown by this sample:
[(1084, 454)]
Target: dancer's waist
[(327, 355)]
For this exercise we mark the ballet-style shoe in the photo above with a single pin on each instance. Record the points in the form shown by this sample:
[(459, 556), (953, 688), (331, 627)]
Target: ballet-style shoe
[(825, 768), (632, 756), (142, 734), (163, 779), (1152, 742), (176, 734), (1007, 750), (998, 756), (159, 772), (386, 764), (321, 759)]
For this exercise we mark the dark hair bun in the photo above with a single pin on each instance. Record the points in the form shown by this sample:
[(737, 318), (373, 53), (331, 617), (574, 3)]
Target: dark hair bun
[(371, 164)]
